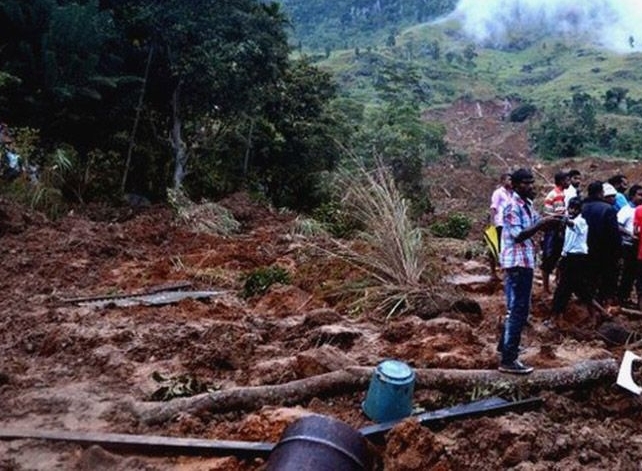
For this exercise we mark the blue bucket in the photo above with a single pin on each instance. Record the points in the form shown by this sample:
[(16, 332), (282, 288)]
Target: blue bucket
[(389, 395)]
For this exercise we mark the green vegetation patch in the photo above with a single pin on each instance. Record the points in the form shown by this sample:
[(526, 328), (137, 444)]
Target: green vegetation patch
[(258, 281), (457, 226)]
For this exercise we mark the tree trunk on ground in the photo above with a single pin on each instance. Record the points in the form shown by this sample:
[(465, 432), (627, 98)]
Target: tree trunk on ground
[(356, 378)]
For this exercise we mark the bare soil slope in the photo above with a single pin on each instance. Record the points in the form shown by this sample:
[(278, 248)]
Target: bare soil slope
[(70, 367)]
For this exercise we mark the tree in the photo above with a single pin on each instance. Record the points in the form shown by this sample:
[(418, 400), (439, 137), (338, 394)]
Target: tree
[(217, 54), (402, 82), (68, 81), (62, 56), (614, 98), (434, 50), (391, 40), (322, 21), (583, 107), (296, 136), (397, 134), (567, 130), (165, 83), (469, 55), (281, 149)]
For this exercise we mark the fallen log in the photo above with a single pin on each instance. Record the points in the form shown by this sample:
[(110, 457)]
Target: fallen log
[(254, 397), (356, 378)]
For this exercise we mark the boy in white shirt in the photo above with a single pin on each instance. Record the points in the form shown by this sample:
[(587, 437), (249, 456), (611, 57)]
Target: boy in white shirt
[(573, 265)]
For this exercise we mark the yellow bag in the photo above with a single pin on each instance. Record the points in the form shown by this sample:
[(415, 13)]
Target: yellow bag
[(492, 241)]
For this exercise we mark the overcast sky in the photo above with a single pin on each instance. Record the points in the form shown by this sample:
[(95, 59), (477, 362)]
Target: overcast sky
[(608, 22)]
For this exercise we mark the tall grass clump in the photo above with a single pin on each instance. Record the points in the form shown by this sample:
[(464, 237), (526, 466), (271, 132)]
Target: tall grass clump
[(42, 190), (204, 217), (395, 259)]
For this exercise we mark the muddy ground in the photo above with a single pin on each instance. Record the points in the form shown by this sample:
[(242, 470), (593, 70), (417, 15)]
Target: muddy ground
[(64, 366)]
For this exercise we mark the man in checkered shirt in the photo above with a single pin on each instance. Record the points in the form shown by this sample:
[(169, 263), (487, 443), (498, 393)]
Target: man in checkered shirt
[(520, 223)]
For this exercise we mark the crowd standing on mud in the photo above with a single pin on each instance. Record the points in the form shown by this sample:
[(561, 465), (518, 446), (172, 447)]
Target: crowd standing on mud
[(589, 244)]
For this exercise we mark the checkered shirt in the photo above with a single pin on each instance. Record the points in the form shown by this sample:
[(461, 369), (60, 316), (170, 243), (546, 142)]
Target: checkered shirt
[(518, 215)]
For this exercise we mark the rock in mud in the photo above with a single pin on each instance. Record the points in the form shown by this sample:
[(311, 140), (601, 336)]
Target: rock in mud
[(321, 360), (410, 446), (336, 335)]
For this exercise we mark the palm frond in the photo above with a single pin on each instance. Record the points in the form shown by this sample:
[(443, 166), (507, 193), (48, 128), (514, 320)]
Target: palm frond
[(394, 257)]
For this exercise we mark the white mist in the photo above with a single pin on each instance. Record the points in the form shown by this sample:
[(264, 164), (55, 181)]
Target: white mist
[(614, 24)]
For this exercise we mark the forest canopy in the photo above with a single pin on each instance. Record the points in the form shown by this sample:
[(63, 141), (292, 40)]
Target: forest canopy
[(142, 95)]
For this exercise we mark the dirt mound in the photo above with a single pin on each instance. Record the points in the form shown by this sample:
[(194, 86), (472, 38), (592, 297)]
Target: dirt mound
[(15, 218)]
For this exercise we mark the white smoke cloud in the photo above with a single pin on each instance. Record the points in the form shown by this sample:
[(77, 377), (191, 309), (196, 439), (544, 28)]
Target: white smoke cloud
[(610, 23)]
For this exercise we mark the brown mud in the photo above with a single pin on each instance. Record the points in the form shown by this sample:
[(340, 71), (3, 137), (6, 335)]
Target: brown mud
[(74, 368)]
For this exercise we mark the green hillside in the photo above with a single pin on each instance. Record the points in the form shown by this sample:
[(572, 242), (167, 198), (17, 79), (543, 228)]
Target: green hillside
[(435, 63), (404, 34), (545, 72), (319, 25)]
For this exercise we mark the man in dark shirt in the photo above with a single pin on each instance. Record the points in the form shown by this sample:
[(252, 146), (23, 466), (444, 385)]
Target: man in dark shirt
[(603, 244)]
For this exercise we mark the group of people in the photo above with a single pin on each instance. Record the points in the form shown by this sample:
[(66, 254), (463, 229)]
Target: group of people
[(591, 244)]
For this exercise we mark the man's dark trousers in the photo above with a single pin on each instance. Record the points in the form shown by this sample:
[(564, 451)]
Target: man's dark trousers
[(627, 278), (519, 285)]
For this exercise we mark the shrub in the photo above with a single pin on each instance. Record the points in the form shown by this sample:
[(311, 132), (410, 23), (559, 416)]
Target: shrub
[(44, 193), (457, 226), (205, 217), (258, 281), (338, 221), (308, 227), (522, 113)]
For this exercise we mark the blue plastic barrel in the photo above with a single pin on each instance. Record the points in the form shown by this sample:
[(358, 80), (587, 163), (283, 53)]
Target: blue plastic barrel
[(389, 395)]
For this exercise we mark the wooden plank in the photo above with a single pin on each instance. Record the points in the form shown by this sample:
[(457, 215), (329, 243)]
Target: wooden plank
[(148, 444), (161, 445), (173, 286), (155, 299), (151, 299), (489, 406)]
